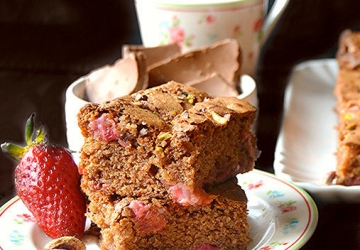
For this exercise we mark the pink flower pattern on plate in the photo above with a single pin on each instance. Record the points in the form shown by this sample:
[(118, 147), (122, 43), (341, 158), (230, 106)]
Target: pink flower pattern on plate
[(285, 207), (21, 218), (255, 185)]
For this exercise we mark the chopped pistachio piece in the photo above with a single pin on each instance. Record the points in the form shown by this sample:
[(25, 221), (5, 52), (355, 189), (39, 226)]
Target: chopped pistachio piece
[(219, 119), (160, 150), (190, 99), (348, 117), (164, 136)]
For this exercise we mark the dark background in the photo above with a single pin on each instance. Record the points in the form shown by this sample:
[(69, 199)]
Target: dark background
[(46, 44)]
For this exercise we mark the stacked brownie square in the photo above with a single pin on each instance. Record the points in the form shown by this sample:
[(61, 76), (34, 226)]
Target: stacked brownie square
[(159, 168)]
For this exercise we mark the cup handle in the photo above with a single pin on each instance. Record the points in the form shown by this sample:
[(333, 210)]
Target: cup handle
[(272, 18)]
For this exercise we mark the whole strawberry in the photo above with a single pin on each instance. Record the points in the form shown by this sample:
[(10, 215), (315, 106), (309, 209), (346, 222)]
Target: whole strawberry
[(48, 182)]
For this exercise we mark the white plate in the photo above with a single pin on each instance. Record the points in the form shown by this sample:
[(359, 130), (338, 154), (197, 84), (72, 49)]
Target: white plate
[(307, 141), (281, 216)]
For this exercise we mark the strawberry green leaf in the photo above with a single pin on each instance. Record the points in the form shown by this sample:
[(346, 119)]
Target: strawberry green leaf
[(29, 129), (14, 151)]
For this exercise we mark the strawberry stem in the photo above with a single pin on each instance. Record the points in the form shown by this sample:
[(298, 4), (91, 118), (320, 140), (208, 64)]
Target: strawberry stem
[(16, 152), (40, 135)]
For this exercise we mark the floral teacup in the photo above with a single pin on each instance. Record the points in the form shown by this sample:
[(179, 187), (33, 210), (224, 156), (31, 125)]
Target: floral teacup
[(196, 23)]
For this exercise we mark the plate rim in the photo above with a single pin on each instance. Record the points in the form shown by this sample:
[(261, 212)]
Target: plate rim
[(313, 214)]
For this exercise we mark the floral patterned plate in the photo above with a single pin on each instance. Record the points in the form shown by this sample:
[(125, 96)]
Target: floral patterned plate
[(281, 216)]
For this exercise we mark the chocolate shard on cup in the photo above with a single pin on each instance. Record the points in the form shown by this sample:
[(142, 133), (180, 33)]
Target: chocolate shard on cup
[(223, 58), (153, 54), (126, 75)]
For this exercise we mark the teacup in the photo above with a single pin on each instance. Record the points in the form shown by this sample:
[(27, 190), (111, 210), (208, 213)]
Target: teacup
[(76, 98), (197, 23)]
